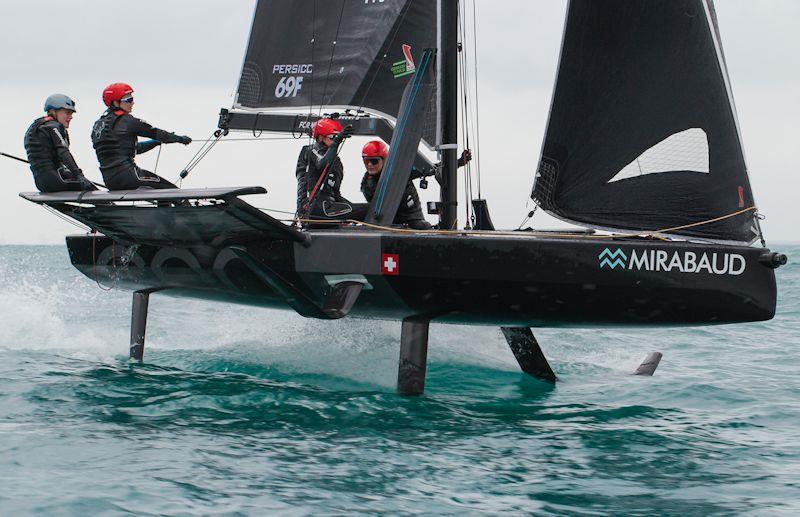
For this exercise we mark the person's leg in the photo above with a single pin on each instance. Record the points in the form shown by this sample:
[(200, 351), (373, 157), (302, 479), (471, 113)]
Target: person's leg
[(58, 181), (131, 178), (74, 181), (148, 179), (419, 224)]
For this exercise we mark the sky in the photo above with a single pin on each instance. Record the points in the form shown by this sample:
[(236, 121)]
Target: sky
[(183, 58)]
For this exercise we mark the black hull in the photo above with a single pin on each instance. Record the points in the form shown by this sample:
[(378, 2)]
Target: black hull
[(477, 279)]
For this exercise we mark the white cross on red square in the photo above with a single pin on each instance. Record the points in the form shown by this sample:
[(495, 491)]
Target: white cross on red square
[(390, 264)]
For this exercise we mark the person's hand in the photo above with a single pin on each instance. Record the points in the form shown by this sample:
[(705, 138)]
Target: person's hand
[(347, 132), (185, 140), (466, 156)]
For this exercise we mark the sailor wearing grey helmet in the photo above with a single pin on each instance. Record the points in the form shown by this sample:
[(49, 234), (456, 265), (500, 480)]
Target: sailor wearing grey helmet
[(47, 144)]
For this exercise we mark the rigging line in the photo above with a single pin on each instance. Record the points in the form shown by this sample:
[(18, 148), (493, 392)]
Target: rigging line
[(465, 131), (276, 211), (709, 221), (313, 44), (66, 219), (248, 139), (155, 169), (466, 115), (200, 154), (94, 262), (477, 103), (386, 53), (333, 53), (645, 234)]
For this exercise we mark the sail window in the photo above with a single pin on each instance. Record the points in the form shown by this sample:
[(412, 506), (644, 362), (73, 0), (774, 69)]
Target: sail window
[(685, 151)]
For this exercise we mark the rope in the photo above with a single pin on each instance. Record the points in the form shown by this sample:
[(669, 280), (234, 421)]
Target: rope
[(466, 119), (200, 154), (333, 53), (94, 262), (248, 139), (477, 103), (155, 169), (675, 228), (64, 218), (649, 234)]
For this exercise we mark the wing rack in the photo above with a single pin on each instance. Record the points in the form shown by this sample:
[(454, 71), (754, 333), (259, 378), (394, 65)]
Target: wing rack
[(171, 217)]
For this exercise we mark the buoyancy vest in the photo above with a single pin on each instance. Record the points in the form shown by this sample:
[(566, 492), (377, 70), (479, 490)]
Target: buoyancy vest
[(39, 146), (108, 143)]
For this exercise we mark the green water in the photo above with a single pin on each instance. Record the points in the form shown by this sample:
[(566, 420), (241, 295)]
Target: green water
[(248, 411)]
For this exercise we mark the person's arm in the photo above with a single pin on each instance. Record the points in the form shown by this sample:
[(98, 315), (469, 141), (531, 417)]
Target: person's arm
[(368, 193), (143, 147), (61, 146), (142, 128), (302, 179), (330, 155), (466, 157), (337, 173)]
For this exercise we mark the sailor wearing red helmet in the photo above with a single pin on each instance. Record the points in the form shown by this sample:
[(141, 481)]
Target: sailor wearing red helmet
[(409, 212), (319, 175), (115, 138)]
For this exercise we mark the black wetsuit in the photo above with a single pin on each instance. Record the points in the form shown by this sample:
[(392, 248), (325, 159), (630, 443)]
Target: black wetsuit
[(115, 141), (327, 202), (410, 210), (54, 169)]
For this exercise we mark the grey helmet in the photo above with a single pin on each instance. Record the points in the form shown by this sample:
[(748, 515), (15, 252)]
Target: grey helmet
[(59, 101)]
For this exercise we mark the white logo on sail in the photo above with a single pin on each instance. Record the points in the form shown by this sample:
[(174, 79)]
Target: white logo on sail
[(684, 151)]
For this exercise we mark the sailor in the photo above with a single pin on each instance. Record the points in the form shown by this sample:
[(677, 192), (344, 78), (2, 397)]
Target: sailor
[(115, 141), (319, 175), (409, 212), (47, 144)]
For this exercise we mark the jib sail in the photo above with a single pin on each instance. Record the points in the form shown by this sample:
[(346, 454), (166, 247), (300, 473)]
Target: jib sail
[(642, 132), (322, 54)]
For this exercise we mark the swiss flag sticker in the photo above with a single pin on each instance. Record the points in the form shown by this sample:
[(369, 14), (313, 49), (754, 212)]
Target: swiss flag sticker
[(390, 264)]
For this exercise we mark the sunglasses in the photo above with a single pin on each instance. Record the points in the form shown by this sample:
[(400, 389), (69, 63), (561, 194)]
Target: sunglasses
[(372, 161), (127, 99)]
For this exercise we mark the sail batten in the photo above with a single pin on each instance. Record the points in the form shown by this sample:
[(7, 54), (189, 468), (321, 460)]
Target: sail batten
[(642, 133)]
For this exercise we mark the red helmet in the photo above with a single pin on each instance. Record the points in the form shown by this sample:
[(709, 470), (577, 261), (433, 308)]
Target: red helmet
[(326, 127), (375, 149), (115, 92)]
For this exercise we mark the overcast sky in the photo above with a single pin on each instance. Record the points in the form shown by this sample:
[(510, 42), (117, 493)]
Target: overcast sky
[(183, 58)]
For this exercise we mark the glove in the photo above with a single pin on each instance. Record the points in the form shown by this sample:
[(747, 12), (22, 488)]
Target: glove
[(347, 132), (185, 140), (466, 157)]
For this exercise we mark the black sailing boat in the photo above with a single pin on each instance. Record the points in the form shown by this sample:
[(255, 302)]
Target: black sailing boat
[(642, 140)]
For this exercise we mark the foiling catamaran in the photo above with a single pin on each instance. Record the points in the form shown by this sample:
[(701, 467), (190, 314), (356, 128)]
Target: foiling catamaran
[(642, 143)]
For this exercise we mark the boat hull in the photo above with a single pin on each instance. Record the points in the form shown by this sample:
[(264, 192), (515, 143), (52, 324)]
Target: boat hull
[(482, 278)]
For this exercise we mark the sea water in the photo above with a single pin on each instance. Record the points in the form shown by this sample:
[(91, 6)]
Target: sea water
[(241, 410)]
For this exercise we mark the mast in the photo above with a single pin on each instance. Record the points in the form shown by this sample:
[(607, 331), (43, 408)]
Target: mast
[(448, 111)]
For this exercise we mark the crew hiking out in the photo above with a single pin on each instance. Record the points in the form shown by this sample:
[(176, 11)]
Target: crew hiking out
[(115, 138), (47, 144)]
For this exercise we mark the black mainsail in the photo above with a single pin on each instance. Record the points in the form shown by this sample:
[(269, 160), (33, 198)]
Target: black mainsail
[(642, 132), (320, 55)]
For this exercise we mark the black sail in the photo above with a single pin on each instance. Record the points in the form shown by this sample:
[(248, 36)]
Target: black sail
[(312, 54), (642, 132)]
